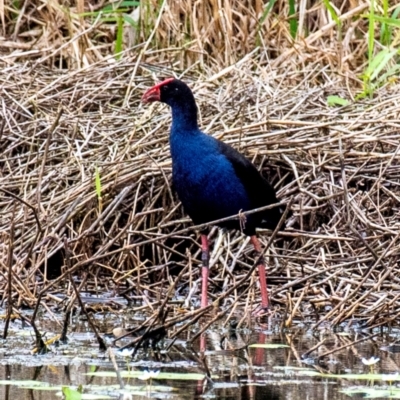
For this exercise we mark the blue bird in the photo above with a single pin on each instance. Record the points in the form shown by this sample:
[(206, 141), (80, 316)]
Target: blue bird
[(212, 179)]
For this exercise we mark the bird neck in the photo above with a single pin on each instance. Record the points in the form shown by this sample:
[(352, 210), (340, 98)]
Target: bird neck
[(184, 118)]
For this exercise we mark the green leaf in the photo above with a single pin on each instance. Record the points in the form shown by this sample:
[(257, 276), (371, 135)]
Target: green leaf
[(336, 101)]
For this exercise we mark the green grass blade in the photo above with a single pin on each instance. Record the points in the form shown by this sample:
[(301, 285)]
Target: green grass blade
[(385, 31), (120, 34), (392, 72), (332, 12), (97, 180), (262, 19), (396, 13), (371, 29), (123, 5), (378, 63), (130, 21), (382, 62), (389, 21), (266, 11), (293, 24)]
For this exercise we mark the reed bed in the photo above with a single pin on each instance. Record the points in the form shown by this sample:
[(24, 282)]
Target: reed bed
[(187, 33), (85, 169), (337, 258)]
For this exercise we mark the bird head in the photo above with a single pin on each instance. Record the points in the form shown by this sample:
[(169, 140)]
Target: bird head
[(170, 91)]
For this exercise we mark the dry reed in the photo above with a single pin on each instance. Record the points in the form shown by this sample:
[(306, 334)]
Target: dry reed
[(336, 261)]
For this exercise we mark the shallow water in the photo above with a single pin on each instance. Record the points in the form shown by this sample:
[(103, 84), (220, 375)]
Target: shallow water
[(237, 371)]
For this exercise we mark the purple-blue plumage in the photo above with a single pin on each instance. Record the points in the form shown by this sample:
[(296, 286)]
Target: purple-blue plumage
[(212, 179)]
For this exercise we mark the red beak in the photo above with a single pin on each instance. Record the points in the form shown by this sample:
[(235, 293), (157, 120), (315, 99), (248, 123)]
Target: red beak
[(154, 94), (151, 95)]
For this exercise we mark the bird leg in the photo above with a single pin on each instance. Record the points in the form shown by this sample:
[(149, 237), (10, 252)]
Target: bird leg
[(205, 259), (261, 273)]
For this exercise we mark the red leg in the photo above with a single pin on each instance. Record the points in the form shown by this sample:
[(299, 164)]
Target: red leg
[(261, 273), (205, 257)]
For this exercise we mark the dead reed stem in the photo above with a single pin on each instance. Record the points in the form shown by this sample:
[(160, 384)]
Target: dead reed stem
[(258, 89)]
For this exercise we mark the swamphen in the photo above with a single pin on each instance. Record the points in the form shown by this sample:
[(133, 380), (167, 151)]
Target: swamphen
[(212, 179)]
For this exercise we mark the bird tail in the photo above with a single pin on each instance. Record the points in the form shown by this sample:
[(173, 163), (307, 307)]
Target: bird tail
[(270, 218)]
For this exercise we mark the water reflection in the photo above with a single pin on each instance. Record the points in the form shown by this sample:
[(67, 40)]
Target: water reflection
[(305, 369)]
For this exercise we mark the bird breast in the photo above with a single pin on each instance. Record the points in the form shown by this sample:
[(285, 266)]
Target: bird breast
[(207, 186)]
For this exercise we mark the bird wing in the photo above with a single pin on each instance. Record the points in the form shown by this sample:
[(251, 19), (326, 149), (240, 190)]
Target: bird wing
[(260, 192)]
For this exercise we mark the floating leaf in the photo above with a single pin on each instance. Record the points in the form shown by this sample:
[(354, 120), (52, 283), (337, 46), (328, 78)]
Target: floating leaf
[(161, 375), (299, 371), (268, 345), (372, 377), (372, 393), (92, 368), (290, 368), (23, 383), (71, 394), (43, 388), (309, 372), (75, 394)]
